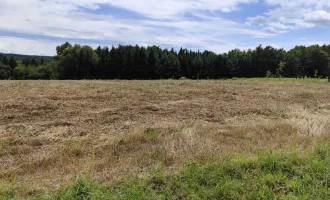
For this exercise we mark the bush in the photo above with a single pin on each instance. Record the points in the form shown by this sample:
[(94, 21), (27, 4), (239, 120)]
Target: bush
[(20, 72), (46, 72)]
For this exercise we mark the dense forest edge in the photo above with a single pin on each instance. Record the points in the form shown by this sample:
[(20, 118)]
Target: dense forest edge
[(148, 63), (23, 57)]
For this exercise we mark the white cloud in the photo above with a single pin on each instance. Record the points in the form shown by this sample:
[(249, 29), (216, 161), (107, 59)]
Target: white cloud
[(171, 8), (27, 46), (294, 14), (227, 10), (165, 23), (318, 18), (257, 20), (271, 30), (300, 3)]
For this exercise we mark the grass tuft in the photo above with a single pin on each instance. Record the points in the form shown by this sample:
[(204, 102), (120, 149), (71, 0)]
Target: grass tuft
[(82, 189), (152, 133)]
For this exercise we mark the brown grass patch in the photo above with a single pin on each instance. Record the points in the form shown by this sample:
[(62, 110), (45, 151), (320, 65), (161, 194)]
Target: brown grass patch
[(52, 130)]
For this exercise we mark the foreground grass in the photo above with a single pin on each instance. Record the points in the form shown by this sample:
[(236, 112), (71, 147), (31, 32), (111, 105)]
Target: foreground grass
[(271, 175), (50, 131)]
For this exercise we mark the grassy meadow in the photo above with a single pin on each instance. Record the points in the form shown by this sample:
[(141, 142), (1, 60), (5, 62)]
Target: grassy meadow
[(167, 139)]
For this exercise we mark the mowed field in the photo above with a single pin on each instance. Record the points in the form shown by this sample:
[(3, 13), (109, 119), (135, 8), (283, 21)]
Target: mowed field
[(51, 131)]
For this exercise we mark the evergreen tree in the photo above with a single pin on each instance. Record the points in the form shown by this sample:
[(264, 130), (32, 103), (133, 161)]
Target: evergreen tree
[(5, 71)]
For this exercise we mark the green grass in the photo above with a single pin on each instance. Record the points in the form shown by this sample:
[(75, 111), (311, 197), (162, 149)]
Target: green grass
[(152, 133), (271, 175)]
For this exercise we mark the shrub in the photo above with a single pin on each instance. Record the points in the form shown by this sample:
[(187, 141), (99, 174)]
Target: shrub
[(47, 71)]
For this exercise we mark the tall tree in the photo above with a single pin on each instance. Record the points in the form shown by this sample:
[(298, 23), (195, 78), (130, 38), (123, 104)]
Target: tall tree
[(154, 63), (5, 71), (197, 65)]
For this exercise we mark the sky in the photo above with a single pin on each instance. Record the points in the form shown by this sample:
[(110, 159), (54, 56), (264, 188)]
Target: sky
[(36, 27)]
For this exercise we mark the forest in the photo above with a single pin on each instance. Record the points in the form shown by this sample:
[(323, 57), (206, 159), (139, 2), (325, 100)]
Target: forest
[(129, 62)]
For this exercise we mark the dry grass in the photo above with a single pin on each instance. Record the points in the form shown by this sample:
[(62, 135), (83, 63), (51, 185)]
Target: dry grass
[(52, 130)]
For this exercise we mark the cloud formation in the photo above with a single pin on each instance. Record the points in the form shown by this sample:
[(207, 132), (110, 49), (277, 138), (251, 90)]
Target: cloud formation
[(294, 14), (318, 18), (196, 24)]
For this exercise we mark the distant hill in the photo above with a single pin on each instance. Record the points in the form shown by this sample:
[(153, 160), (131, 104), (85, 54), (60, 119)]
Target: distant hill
[(22, 57)]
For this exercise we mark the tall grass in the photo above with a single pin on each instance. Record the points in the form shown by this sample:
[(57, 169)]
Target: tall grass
[(270, 175), (306, 80)]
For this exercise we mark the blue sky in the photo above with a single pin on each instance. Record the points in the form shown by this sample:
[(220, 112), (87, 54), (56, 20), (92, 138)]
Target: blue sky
[(36, 27)]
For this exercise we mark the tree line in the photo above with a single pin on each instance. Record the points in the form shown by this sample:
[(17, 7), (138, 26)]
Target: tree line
[(135, 62)]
